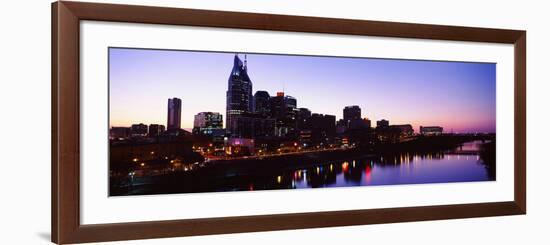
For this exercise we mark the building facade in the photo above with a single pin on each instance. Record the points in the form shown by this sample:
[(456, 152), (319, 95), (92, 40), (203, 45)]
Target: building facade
[(138, 130), (382, 123), (208, 123), (284, 110), (156, 130), (405, 129), (174, 114), (355, 124), (119, 133), (431, 130), (261, 103), (302, 114), (208, 120), (322, 128), (239, 93), (351, 113), (251, 125)]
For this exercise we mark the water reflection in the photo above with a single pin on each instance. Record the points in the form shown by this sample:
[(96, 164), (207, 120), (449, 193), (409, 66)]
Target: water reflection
[(474, 161), (459, 165)]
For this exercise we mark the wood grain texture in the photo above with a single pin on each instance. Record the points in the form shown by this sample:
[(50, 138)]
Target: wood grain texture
[(66, 17), (520, 96), (209, 18), (66, 127), (55, 138)]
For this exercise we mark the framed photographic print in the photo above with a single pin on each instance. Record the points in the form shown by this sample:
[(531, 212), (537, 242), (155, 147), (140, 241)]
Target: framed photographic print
[(176, 122)]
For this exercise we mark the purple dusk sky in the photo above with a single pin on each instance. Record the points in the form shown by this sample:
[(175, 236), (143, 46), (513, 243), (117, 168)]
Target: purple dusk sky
[(459, 96)]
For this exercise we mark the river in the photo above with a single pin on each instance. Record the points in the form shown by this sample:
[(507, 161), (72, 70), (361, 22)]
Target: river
[(462, 164), (459, 165)]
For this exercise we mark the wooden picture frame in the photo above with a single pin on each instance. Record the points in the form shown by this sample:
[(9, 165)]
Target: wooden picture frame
[(66, 226)]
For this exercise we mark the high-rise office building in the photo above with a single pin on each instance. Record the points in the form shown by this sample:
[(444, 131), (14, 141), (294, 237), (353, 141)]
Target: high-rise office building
[(367, 122), (323, 127), (261, 103), (208, 120), (351, 113), (291, 107), (251, 125), (208, 123), (278, 106), (174, 114), (283, 110), (382, 123), (156, 130), (355, 124), (239, 92), (302, 114), (138, 130)]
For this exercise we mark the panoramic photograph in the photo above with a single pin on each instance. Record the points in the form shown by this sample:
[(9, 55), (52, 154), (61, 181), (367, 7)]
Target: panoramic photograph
[(201, 121)]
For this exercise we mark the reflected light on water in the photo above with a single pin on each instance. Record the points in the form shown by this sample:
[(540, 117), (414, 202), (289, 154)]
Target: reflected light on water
[(368, 173), (387, 169), (402, 168), (345, 166)]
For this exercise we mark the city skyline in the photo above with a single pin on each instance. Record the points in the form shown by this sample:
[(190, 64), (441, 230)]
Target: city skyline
[(401, 91)]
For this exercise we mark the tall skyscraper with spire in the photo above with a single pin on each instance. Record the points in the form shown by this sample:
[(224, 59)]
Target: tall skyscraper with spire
[(239, 93)]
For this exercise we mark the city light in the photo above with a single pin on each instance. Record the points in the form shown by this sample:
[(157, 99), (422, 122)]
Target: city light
[(345, 166), (246, 139)]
